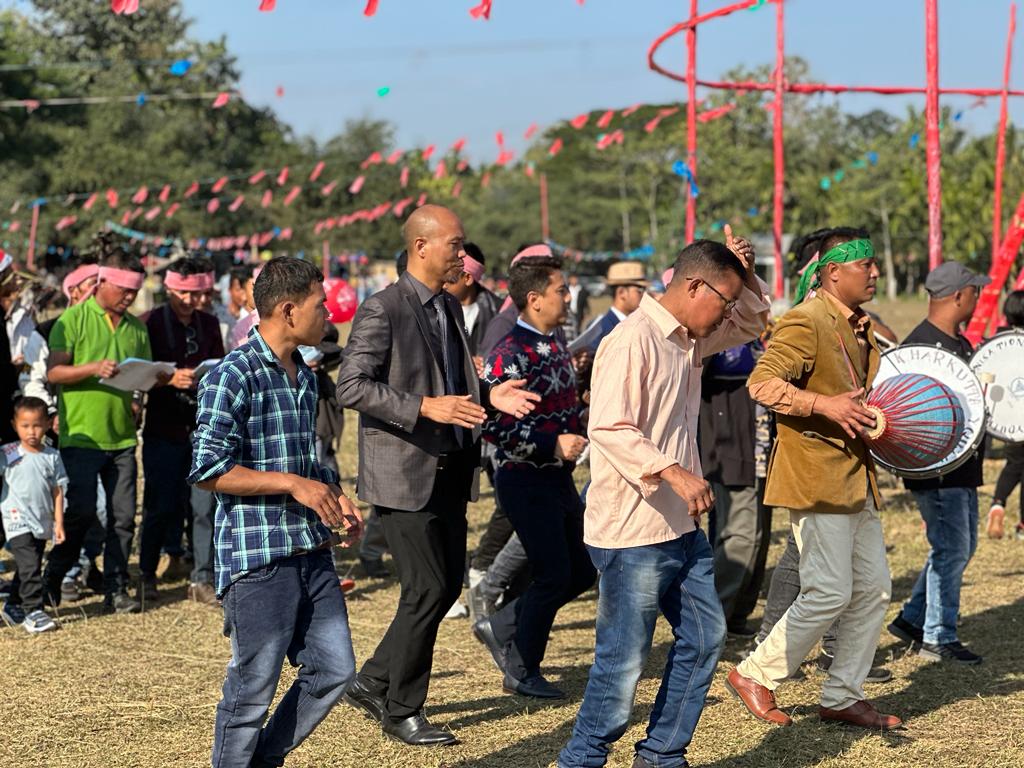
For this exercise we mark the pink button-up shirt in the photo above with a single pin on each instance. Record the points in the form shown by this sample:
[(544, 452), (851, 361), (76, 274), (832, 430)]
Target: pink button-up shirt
[(644, 406)]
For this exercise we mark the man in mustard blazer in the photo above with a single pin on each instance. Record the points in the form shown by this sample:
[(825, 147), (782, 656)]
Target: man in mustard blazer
[(822, 358)]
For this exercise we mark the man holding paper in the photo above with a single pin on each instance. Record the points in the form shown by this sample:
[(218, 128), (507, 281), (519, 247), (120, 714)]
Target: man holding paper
[(181, 334), (97, 422)]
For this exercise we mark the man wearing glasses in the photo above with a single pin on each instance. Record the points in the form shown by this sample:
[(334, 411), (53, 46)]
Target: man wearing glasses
[(626, 284), (179, 333)]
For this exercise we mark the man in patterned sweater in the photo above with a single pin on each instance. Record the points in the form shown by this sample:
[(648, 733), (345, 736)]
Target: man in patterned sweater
[(534, 484)]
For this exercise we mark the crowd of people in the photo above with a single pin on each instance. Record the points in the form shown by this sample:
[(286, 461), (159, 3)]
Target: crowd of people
[(697, 414)]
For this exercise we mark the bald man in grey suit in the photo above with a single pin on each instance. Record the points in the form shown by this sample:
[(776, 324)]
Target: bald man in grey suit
[(409, 372)]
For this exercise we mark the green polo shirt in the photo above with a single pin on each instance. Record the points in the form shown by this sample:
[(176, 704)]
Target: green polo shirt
[(93, 415)]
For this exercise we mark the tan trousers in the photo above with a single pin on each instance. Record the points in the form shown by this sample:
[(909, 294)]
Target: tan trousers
[(843, 573)]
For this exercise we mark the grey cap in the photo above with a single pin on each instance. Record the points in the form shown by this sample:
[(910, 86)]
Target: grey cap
[(950, 277)]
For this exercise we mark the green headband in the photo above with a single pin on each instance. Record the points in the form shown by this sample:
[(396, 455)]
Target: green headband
[(853, 250)]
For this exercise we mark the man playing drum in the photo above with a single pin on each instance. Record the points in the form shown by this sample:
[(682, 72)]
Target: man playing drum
[(948, 504), (822, 357)]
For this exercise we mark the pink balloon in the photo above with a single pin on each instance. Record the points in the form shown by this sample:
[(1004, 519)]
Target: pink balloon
[(341, 300)]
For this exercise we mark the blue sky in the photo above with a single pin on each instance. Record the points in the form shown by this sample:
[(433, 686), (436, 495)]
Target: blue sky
[(545, 60)]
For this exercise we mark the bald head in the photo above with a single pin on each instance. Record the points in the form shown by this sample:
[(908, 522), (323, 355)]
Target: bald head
[(434, 239)]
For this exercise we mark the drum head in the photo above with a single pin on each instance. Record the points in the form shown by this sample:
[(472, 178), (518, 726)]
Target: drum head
[(999, 365), (956, 374)]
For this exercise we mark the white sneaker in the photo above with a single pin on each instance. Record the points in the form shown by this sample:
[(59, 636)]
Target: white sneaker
[(457, 611), (38, 621)]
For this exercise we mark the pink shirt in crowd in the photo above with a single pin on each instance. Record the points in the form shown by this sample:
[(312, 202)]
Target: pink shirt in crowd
[(645, 402)]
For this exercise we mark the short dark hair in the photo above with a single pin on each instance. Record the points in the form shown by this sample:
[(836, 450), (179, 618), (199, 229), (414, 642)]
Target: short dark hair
[(113, 254), (241, 275), (1013, 309), (189, 265), (707, 259), (29, 403), (285, 278), (474, 250), (531, 275)]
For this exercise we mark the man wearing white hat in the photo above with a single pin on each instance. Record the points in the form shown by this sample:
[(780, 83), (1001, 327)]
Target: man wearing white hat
[(626, 283)]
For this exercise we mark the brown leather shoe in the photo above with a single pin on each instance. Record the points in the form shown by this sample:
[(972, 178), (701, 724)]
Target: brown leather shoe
[(862, 714), (203, 593), (756, 698)]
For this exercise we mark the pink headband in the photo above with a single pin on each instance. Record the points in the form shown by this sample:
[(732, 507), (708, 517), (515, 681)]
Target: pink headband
[(533, 250), (473, 268), (78, 276), (667, 275), (122, 278), (179, 282), (209, 280)]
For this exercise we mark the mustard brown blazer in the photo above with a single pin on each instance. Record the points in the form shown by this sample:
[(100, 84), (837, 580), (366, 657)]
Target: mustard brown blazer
[(814, 465)]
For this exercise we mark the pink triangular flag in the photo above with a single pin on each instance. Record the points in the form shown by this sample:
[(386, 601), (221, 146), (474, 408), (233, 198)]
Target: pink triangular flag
[(164, 193), (427, 152), (458, 145), (213, 205), (268, 198), (630, 110), (441, 171), (484, 9), (605, 119), (499, 137), (530, 131), (90, 202), (192, 189), (219, 184), (317, 170), (152, 213), (371, 7), (112, 198), (555, 148), (579, 121), (140, 195), (403, 177), (356, 185), (172, 209), (422, 200), (292, 194), (457, 189), (267, 5), (394, 157), (328, 188), (126, 7), (222, 98), (236, 203), (282, 177), (257, 177)]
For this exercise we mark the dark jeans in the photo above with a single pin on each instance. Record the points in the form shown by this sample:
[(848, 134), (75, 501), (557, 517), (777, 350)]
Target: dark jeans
[(951, 525), (428, 548), (27, 585), (675, 579), (291, 608), (166, 465), (117, 471), (783, 591), (1011, 476), (547, 513)]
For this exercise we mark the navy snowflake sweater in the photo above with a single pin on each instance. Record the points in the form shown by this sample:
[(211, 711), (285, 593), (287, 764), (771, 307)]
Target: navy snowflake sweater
[(547, 367)]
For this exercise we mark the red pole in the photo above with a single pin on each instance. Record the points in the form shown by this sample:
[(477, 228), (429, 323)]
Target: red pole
[(778, 147), (934, 149), (997, 197), (30, 261), (545, 230), (691, 120)]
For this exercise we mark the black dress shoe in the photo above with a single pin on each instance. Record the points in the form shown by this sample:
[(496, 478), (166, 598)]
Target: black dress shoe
[(534, 686), (416, 731), (359, 696), (484, 632)]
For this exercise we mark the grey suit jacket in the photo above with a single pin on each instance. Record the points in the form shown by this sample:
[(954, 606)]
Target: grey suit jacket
[(390, 364)]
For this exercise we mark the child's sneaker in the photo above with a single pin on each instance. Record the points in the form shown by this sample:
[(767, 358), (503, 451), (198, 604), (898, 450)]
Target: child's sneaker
[(13, 615), (38, 621), (994, 524)]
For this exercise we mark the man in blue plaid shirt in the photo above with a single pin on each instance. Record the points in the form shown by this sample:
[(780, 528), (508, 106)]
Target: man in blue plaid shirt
[(254, 446)]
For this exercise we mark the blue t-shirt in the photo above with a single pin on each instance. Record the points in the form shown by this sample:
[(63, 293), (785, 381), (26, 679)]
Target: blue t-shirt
[(26, 504)]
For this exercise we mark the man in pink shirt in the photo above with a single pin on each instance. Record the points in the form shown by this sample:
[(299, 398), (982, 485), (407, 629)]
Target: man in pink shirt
[(646, 494)]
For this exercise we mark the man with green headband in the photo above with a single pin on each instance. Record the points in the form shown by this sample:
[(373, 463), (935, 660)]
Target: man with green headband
[(822, 357)]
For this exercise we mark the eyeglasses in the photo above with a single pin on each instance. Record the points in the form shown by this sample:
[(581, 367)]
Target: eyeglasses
[(191, 345), (730, 304)]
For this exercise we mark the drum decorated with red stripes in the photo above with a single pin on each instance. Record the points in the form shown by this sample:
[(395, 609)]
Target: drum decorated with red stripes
[(918, 421), (922, 422)]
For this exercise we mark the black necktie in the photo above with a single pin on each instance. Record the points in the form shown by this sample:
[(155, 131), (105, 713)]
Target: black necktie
[(448, 356)]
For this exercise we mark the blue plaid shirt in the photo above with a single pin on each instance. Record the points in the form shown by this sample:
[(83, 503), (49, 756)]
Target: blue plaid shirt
[(251, 414)]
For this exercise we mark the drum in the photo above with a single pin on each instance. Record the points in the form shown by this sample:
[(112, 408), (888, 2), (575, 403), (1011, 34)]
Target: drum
[(999, 365), (918, 421), (954, 373)]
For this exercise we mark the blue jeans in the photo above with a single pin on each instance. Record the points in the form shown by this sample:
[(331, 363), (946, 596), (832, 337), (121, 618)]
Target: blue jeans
[(675, 578), (951, 520), (291, 608)]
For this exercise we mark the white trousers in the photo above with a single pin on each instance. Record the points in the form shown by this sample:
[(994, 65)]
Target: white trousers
[(843, 574)]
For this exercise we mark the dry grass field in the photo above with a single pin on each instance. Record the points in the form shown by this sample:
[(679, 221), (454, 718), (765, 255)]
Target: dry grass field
[(119, 691)]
